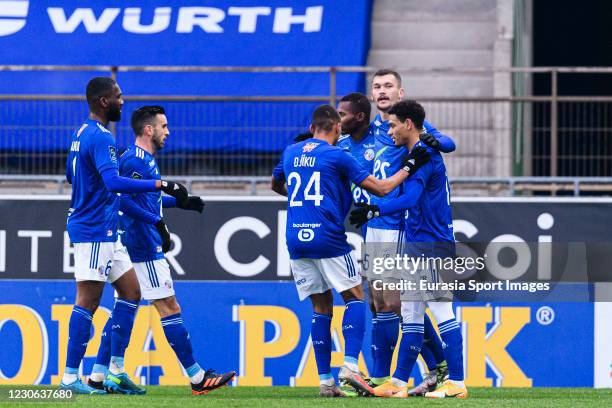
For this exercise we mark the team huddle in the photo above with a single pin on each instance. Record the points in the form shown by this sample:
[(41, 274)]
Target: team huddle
[(391, 170)]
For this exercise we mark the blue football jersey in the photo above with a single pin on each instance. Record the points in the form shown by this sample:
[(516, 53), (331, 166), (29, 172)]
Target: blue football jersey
[(140, 238), (318, 178), (93, 209), (431, 219), (363, 151), (387, 162), (429, 222)]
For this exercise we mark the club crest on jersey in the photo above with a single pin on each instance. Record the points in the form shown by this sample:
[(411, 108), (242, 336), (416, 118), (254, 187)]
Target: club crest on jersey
[(309, 147), (369, 154), (113, 153)]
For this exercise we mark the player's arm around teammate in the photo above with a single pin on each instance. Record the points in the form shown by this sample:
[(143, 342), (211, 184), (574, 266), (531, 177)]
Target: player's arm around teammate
[(427, 196), (147, 239), (92, 170)]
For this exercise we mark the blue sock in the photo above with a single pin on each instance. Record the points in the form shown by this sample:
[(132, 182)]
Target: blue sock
[(123, 321), (450, 331), (321, 342), (104, 352), (79, 330), (428, 356), (410, 347), (373, 341), (386, 340), (178, 337), (432, 341), (353, 329)]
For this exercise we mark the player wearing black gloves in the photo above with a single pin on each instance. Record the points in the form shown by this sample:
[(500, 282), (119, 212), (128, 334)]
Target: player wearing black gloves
[(192, 203), (174, 189), (430, 140), (412, 162)]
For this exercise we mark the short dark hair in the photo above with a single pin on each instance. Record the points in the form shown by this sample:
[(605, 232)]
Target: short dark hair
[(409, 110), (325, 117), (143, 116), (359, 102), (385, 71), (303, 136), (98, 87)]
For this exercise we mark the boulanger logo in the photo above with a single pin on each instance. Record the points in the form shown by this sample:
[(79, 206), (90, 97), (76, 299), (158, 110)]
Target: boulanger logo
[(13, 15), (306, 235)]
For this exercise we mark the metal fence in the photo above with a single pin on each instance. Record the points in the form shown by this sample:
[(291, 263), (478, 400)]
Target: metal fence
[(500, 136), (260, 185)]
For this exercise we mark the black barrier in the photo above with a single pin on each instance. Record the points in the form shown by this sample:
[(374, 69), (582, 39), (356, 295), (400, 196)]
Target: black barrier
[(243, 239)]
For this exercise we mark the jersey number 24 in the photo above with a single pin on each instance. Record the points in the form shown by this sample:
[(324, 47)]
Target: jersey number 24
[(314, 183)]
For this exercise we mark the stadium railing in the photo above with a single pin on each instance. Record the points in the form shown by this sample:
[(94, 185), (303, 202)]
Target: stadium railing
[(499, 136), (259, 185)]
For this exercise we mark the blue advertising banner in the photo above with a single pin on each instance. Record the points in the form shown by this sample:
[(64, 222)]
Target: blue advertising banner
[(186, 32), (261, 330)]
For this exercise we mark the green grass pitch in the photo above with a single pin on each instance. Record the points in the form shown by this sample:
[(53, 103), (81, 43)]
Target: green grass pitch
[(288, 397)]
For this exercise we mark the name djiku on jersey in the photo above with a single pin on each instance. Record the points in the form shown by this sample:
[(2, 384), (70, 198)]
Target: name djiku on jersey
[(304, 161)]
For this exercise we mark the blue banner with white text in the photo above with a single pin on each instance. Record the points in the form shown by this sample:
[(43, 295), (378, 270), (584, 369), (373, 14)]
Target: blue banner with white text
[(180, 33)]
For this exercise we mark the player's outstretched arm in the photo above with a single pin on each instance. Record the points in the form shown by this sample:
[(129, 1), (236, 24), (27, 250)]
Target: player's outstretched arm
[(365, 212), (129, 207), (381, 188), (278, 186), (416, 159), (191, 203), (437, 140), (118, 184)]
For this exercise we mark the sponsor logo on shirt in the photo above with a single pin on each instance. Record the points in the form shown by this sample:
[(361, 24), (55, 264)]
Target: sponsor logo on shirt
[(306, 235), (309, 147)]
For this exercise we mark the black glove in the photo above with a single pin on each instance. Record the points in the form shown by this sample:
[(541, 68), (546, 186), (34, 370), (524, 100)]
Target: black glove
[(164, 234), (193, 203), (430, 140), (176, 190), (415, 160), (363, 213)]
